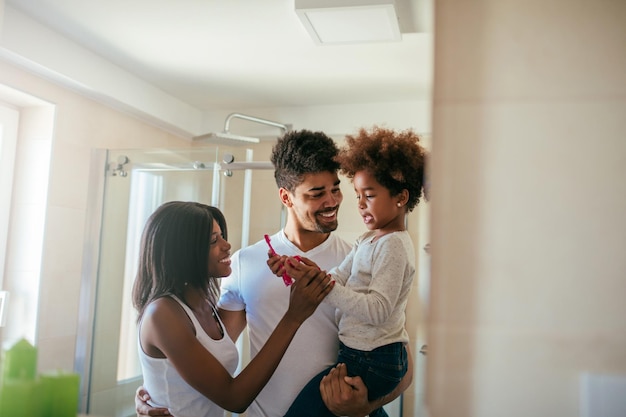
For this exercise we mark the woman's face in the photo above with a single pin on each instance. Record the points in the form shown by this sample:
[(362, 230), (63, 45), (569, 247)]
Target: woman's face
[(219, 254)]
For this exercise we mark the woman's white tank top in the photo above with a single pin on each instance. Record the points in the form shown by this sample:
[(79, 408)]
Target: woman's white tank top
[(168, 389)]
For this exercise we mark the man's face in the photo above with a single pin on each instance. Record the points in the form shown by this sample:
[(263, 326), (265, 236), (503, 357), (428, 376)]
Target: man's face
[(315, 202)]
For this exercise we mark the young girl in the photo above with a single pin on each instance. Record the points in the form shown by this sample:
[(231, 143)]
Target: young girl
[(187, 356), (387, 171)]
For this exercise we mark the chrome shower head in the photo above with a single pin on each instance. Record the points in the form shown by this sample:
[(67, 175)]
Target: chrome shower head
[(226, 138)]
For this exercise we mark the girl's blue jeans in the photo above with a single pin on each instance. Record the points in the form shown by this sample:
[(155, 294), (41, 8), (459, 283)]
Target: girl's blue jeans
[(381, 370)]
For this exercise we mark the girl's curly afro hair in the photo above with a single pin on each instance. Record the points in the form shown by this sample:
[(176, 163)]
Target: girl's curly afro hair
[(396, 159)]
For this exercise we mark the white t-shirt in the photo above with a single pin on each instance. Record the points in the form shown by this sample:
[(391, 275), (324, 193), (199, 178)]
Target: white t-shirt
[(264, 296), (168, 389)]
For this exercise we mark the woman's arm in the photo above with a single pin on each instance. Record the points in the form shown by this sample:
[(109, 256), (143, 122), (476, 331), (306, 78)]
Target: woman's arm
[(203, 371), (234, 322)]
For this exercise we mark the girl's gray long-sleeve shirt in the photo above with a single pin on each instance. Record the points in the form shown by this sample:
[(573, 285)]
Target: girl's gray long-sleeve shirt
[(373, 285)]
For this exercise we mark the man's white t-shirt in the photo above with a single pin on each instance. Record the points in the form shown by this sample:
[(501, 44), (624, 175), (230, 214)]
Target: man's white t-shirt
[(252, 287)]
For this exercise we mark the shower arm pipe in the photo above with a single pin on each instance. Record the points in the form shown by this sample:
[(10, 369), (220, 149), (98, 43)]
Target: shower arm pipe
[(285, 128)]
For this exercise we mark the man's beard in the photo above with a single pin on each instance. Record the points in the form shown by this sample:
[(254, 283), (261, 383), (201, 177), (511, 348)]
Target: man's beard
[(326, 227)]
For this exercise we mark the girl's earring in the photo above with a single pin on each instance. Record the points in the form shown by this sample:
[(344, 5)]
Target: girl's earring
[(399, 204)]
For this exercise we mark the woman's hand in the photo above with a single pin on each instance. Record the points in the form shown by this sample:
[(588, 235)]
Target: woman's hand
[(307, 291)]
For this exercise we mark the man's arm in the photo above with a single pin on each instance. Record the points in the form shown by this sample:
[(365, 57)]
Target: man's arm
[(347, 396), (234, 322)]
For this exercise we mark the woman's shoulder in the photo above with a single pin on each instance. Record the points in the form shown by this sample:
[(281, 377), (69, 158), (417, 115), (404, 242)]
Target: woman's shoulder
[(165, 307), (163, 302), (167, 313)]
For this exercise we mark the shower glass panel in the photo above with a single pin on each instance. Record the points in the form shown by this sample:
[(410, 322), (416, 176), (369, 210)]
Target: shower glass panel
[(136, 183)]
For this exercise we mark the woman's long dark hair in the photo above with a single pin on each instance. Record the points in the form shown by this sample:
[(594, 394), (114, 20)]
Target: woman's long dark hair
[(175, 252)]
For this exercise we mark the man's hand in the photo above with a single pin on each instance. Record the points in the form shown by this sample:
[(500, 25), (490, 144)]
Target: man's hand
[(144, 409), (347, 396), (344, 395)]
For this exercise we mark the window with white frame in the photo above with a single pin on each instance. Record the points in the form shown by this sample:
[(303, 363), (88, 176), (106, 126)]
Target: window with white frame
[(25, 149), (9, 118)]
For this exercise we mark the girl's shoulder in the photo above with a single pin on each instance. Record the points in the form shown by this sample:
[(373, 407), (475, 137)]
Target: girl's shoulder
[(366, 236), (396, 241), (401, 236)]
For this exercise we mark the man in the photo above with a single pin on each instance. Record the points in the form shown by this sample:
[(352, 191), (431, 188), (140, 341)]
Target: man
[(306, 175)]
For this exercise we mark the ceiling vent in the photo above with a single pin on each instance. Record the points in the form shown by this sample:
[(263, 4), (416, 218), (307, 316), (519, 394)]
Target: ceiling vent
[(332, 22)]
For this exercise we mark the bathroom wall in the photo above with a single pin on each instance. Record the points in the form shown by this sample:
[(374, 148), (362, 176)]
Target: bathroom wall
[(80, 124), (528, 227)]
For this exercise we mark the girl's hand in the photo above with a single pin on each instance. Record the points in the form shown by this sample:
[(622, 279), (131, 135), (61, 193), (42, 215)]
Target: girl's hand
[(299, 266)]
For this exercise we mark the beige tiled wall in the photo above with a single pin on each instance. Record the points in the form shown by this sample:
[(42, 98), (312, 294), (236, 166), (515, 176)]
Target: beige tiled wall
[(528, 205)]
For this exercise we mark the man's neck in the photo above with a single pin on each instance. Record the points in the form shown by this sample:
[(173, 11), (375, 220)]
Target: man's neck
[(305, 240)]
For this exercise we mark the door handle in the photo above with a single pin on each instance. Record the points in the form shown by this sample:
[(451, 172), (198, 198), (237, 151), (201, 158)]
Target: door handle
[(424, 350)]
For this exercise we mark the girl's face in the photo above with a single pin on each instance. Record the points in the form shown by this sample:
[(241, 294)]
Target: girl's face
[(219, 254), (379, 209)]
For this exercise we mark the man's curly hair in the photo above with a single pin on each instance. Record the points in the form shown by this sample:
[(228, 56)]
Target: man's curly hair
[(302, 152), (396, 159)]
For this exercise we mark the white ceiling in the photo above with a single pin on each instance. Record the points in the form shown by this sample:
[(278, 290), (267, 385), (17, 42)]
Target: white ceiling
[(240, 54)]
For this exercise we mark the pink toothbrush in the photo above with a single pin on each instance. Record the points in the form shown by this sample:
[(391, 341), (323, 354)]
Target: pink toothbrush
[(286, 278)]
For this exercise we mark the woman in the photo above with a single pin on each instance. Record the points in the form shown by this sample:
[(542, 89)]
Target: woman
[(187, 356)]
